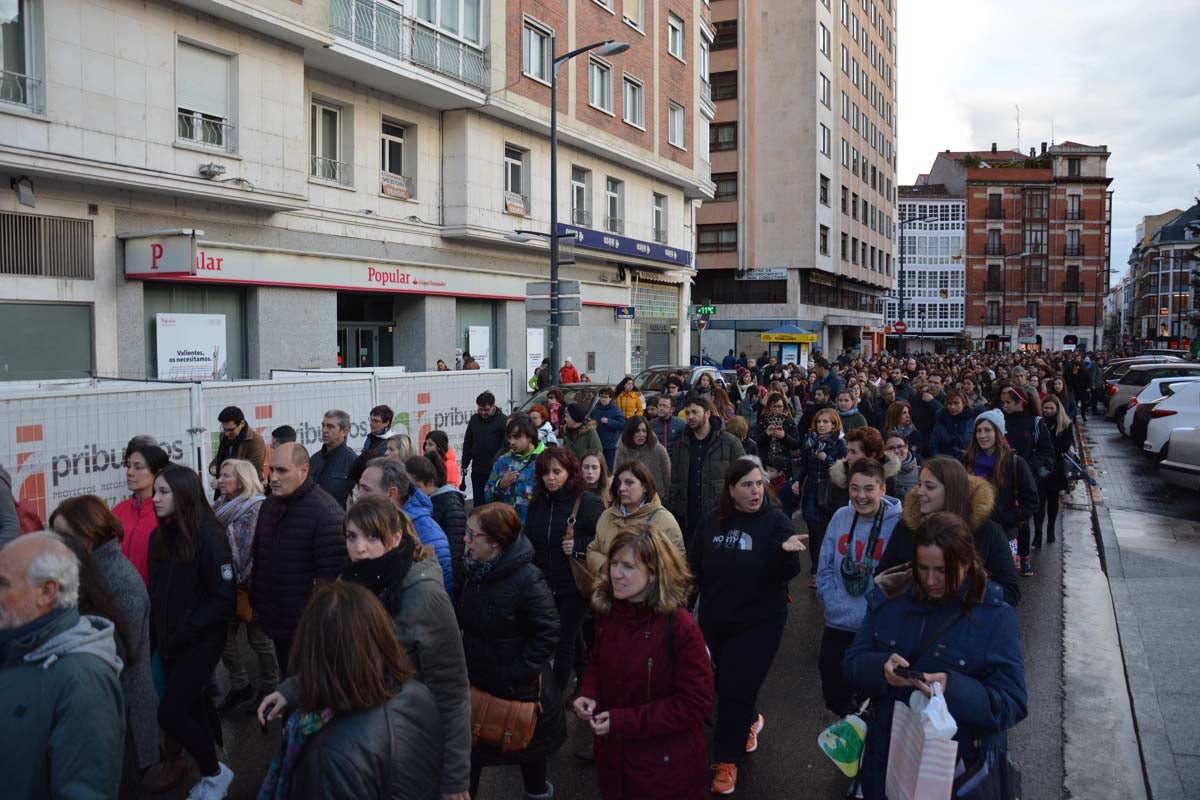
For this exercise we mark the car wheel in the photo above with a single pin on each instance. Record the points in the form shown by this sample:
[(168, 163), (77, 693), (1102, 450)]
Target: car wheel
[(1121, 425)]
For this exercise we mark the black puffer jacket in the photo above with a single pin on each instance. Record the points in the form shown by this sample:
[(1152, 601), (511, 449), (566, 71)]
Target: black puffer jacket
[(545, 526), (374, 447), (1031, 440), (298, 543), (450, 512), (388, 751), (191, 602), (510, 630)]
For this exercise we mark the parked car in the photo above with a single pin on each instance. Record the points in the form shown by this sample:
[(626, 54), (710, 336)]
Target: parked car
[(1137, 417), (1137, 378), (582, 393), (1119, 366), (1180, 410), (652, 381), (1182, 467)]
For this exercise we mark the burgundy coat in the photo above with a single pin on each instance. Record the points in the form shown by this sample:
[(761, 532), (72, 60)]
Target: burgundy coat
[(655, 749)]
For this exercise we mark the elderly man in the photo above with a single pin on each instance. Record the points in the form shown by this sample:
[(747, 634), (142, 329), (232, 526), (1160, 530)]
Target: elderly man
[(333, 463), (298, 542), (389, 478), (60, 691)]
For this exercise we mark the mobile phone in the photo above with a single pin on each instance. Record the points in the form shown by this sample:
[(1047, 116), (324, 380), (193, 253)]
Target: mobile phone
[(912, 674)]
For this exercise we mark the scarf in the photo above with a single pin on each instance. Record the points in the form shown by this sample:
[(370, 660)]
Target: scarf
[(229, 510), (844, 414), (905, 430), (301, 725), (984, 464), (478, 570), (239, 523), (379, 574)]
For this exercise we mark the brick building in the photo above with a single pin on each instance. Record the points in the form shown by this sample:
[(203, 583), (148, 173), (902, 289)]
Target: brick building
[(1037, 246)]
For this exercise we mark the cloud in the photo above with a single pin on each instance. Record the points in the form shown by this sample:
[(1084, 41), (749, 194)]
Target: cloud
[(1101, 72)]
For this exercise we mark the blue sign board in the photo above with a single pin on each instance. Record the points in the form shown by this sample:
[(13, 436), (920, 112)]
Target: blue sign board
[(624, 312), (623, 245)]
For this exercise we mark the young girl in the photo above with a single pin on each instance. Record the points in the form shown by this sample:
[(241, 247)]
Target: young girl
[(899, 418), (847, 409), (1061, 430), (989, 456), (823, 446), (595, 475)]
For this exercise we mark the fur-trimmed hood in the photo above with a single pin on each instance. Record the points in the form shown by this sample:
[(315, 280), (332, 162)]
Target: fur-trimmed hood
[(983, 500), (837, 473)]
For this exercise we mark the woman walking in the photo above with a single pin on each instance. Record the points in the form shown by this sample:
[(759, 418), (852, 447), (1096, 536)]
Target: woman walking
[(638, 443), (1054, 486), (946, 606), (510, 631), (823, 447), (438, 441), (241, 497), (743, 556), (595, 475), (989, 457), (650, 683), (629, 399), (193, 596), (636, 501), (899, 418), (136, 514)]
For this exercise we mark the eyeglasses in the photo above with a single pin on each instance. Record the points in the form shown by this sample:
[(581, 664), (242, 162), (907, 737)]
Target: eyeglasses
[(471, 535)]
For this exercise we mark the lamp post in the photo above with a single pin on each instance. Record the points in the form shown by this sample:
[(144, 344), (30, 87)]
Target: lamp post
[(900, 276), (609, 47)]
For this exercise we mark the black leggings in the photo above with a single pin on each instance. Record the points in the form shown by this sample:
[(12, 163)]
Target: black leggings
[(1047, 512), (533, 775), (835, 689), (742, 661), (185, 711), (572, 608)]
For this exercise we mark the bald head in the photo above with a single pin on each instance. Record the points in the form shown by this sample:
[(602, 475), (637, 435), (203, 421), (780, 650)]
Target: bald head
[(289, 468), (38, 573)]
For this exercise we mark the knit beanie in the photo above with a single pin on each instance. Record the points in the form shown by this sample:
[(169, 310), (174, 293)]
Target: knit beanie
[(577, 412), (994, 416)]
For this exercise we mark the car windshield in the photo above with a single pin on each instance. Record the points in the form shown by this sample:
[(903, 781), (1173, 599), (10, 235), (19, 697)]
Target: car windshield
[(652, 380), (582, 395)]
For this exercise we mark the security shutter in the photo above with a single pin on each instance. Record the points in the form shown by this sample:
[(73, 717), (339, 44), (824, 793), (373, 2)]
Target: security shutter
[(202, 80), (658, 347)]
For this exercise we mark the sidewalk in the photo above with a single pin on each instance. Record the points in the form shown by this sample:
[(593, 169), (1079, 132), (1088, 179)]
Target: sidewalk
[(1152, 561)]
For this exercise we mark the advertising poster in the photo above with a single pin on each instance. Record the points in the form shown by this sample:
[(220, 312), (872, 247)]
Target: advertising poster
[(191, 347), (1027, 330), (479, 344), (535, 351)]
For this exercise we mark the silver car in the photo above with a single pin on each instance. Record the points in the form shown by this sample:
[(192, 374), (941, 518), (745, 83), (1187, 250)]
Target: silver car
[(1137, 378), (1181, 467)]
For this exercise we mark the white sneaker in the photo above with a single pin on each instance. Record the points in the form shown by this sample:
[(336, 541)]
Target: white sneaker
[(214, 787)]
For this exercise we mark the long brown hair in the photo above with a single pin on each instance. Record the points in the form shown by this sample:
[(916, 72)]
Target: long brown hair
[(893, 414), (375, 516), (345, 654), (670, 580), (88, 517), (956, 484), (192, 515), (950, 534), (1004, 454)]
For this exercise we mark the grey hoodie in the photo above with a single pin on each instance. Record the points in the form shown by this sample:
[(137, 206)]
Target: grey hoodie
[(92, 635)]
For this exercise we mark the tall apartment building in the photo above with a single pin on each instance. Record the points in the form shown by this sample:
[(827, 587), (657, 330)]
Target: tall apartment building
[(933, 275), (1160, 270), (337, 177), (1038, 239), (803, 144)]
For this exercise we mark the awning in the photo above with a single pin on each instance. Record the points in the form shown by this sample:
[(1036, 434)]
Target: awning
[(788, 333)]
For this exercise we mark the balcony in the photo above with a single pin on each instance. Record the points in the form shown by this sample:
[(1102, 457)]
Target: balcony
[(1075, 216), (1073, 251), (328, 169), (384, 29), (615, 225), (1034, 285), (994, 249), (995, 213), (21, 90), (581, 216), (1072, 287), (206, 131)]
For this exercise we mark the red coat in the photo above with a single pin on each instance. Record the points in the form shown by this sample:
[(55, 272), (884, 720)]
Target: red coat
[(568, 374), (655, 749), (138, 520)]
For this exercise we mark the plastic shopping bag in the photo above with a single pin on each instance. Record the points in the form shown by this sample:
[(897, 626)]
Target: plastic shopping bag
[(922, 753), (843, 743)]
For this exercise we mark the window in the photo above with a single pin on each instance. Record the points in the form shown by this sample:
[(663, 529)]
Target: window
[(825, 92), (202, 96), (675, 36), (1073, 211), (724, 85), (327, 161), (726, 186), (632, 11), (632, 107), (1072, 282), (823, 191), (845, 60), (846, 13), (722, 136), (458, 17), (614, 206), (1073, 167), (854, 250), (676, 125), (703, 132), (64, 329), (726, 31), (845, 244), (600, 89), (536, 56), (826, 147), (516, 180), (994, 208), (824, 39), (705, 46), (995, 280), (854, 206), (845, 199), (21, 53), (659, 220), (1032, 307), (394, 178), (824, 240), (845, 106), (993, 312), (716, 238), (845, 153), (581, 196), (1071, 314)]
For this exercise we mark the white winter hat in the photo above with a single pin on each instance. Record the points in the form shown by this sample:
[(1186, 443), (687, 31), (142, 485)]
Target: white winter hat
[(567, 360)]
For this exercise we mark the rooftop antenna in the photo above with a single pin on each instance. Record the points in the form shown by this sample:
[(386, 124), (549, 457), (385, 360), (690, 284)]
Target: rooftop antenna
[(1018, 128), (1052, 131)]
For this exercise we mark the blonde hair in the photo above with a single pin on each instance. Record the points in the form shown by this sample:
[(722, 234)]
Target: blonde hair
[(246, 474), (670, 579), (1061, 422)]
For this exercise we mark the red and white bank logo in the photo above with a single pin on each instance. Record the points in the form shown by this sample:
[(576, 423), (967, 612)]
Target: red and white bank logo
[(31, 482)]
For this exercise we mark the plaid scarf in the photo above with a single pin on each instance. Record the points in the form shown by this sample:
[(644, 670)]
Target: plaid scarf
[(300, 726)]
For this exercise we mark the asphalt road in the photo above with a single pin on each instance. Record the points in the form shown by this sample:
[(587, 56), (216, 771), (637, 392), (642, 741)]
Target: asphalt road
[(788, 763)]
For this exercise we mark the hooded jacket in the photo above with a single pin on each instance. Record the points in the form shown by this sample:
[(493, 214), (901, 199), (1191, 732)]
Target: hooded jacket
[(545, 528), (483, 441), (952, 433), (63, 709), (419, 509), (191, 602), (450, 512), (653, 456), (1031, 439), (610, 432), (667, 430), (614, 518), (582, 439), (721, 450), (630, 403), (842, 611), (519, 493), (839, 480), (990, 541), (980, 653), (138, 521)]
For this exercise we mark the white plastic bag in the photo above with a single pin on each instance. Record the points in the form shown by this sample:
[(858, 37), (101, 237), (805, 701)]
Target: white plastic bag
[(935, 716)]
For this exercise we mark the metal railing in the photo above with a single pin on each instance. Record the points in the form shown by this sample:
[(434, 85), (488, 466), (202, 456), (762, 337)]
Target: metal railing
[(328, 169), (386, 30), (21, 90), (1073, 250), (995, 213), (1034, 285), (614, 225), (581, 216), (994, 249), (1074, 216), (206, 131)]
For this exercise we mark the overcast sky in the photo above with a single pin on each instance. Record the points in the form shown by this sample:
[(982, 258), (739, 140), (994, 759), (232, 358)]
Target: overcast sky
[(1099, 72)]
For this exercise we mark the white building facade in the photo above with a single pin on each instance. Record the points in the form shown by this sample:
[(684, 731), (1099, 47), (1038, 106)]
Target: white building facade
[(336, 179)]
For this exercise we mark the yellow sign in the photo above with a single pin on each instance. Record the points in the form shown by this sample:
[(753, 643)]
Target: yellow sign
[(789, 337)]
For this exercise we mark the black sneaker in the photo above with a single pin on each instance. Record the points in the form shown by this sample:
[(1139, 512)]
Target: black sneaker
[(234, 698)]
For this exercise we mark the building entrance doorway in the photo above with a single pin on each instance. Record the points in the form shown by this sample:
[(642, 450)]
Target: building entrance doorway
[(368, 345)]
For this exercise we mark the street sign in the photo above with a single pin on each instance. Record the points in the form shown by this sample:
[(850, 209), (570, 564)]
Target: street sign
[(707, 311), (565, 303), (542, 288), (701, 324), (541, 319), (900, 326), (624, 312)]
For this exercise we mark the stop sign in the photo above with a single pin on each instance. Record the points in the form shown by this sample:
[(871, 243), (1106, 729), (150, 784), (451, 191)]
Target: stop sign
[(701, 324), (900, 326)]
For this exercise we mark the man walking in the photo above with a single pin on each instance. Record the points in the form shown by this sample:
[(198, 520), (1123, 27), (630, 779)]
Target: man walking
[(699, 460), (333, 463), (666, 426), (238, 440), (482, 443), (60, 690), (610, 422), (298, 542)]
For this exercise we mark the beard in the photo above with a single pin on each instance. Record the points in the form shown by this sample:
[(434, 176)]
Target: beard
[(13, 619)]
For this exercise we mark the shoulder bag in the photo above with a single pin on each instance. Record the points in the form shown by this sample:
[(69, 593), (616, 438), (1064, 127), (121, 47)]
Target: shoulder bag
[(506, 725), (584, 579)]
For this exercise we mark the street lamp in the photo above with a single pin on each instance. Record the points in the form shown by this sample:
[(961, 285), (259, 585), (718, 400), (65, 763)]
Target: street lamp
[(606, 48), (904, 223)]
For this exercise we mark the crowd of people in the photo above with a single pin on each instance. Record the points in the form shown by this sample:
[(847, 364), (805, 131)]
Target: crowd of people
[(626, 568)]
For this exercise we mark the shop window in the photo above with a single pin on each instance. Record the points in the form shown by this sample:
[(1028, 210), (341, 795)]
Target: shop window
[(63, 333), (169, 298)]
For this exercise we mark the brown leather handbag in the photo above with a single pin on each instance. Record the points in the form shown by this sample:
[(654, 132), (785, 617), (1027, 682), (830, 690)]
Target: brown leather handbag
[(584, 579), (506, 725)]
